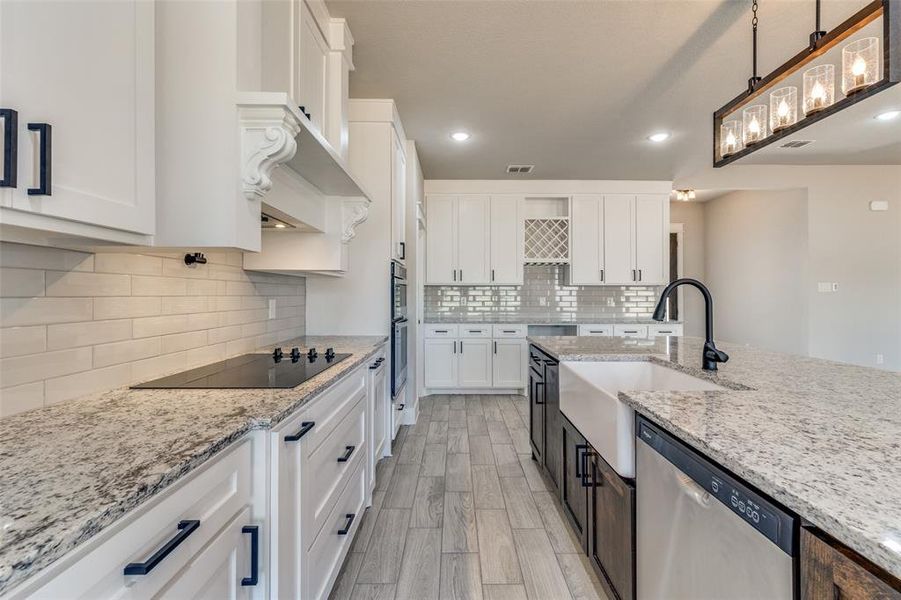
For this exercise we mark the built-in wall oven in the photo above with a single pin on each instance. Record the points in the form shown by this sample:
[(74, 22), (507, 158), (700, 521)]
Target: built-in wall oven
[(398, 327)]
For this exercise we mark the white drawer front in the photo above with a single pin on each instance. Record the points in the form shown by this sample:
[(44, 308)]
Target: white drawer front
[(440, 331), (328, 476), (665, 329), (323, 561), (639, 331), (213, 497), (509, 331), (475, 331), (328, 410), (596, 330)]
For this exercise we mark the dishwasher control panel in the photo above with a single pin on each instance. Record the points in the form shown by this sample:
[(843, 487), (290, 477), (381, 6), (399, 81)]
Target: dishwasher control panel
[(755, 509)]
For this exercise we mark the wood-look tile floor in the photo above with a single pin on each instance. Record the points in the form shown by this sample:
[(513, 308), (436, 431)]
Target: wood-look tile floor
[(461, 511)]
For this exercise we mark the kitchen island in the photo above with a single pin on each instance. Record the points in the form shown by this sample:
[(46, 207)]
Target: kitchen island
[(69, 471), (821, 438)]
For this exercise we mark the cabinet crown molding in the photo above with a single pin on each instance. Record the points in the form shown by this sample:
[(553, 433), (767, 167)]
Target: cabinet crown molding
[(267, 140), (353, 212)]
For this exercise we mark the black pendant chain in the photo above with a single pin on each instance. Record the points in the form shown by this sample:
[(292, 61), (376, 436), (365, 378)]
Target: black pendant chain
[(755, 79)]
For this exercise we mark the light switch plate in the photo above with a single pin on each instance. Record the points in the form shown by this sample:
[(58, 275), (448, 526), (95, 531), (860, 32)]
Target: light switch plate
[(271, 308), (827, 287), (878, 205)]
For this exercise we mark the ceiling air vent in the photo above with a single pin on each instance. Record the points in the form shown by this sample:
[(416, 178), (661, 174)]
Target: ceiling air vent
[(796, 144), (520, 169)]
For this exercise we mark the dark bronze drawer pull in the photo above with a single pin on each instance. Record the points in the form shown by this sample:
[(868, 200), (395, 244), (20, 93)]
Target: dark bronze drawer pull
[(254, 531), (350, 519), (186, 528), (346, 456), (305, 428)]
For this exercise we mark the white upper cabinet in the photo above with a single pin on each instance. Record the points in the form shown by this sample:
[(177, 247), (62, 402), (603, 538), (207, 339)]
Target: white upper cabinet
[(441, 240), (618, 239), (473, 229), (312, 61), (398, 197), (86, 71), (587, 227), (651, 239), (473, 239), (506, 241)]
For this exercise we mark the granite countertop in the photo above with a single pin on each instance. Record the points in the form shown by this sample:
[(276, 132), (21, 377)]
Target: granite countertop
[(539, 320), (821, 437), (70, 470)]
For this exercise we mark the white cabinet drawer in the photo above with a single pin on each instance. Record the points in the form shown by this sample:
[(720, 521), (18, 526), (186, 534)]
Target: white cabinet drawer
[(324, 559), (329, 409), (475, 331), (639, 331), (330, 465), (440, 331), (213, 497), (596, 330), (509, 331), (665, 329)]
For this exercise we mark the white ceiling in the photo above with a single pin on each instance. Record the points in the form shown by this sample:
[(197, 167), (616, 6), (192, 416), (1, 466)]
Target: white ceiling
[(572, 87)]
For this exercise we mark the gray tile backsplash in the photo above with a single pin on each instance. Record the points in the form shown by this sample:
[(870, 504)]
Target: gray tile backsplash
[(543, 297)]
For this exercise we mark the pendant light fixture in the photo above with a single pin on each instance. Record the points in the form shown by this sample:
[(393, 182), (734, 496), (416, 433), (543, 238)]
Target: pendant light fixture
[(805, 89)]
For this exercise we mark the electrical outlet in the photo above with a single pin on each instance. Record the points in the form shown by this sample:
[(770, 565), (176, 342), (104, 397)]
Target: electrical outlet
[(880, 359), (879, 205), (271, 308), (826, 287)]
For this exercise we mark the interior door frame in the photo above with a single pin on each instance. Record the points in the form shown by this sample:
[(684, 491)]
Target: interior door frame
[(679, 230)]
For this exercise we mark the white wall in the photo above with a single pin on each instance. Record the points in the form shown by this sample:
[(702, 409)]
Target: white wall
[(691, 216), (756, 267), (848, 244)]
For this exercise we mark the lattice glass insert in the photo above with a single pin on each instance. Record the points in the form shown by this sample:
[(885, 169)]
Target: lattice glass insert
[(547, 240)]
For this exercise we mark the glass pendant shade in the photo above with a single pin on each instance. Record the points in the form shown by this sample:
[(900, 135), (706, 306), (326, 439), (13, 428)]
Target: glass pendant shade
[(730, 138), (819, 88), (860, 65), (783, 108), (754, 123)]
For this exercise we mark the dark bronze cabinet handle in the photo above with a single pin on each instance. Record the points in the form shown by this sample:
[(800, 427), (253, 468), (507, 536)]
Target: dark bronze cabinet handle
[(186, 528), (350, 519), (403, 250), (537, 383), (346, 456), (495, 347), (45, 156), (639, 274), (10, 147), (254, 531), (580, 460), (401, 406), (305, 428)]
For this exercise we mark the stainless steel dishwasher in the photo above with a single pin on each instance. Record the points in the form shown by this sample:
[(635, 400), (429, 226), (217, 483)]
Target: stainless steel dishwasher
[(702, 533)]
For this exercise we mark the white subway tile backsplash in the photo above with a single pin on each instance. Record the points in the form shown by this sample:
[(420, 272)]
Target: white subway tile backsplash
[(21, 283), (21, 398), (25, 369), (42, 311), (60, 389), (127, 351), (75, 283), (544, 295), (17, 341), (73, 323), (158, 286), (71, 335)]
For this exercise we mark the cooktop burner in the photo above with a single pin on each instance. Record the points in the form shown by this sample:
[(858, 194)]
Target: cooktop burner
[(276, 370)]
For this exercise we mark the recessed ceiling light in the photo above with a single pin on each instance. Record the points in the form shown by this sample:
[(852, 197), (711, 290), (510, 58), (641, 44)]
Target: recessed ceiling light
[(460, 136), (660, 136), (888, 115)]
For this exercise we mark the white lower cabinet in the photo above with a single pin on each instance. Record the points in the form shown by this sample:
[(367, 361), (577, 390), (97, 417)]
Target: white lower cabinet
[(220, 570), (271, 517), (209, 509), (379, 405), (474, 363), (475, 356)]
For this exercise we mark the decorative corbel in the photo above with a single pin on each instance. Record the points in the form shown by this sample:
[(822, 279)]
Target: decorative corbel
[(353, 212), (267, 140)]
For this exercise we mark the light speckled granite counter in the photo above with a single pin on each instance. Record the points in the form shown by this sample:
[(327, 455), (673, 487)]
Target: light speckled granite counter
[(823, 438), (70, 470), (563, 319)]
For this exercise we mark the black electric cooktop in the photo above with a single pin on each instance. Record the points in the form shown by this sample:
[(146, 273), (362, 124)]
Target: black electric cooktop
[(276, 370)]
